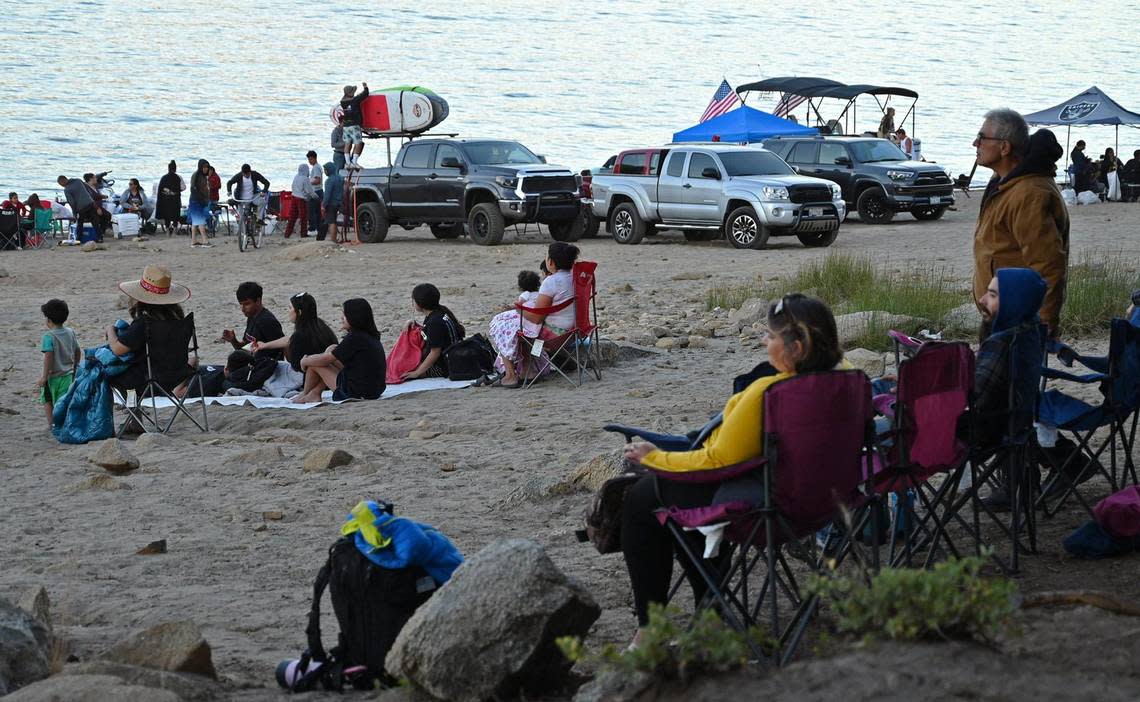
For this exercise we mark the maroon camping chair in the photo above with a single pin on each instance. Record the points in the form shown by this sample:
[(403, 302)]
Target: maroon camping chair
[(818, 432), (574, 351), (923, 444)]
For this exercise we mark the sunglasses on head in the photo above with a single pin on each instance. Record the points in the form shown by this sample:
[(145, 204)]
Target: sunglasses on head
[(298, 295)]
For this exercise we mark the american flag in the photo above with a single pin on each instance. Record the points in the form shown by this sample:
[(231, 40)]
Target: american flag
[(722, 101), (785, 106)]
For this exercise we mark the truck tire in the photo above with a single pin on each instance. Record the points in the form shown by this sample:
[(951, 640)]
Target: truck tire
[(570, 230), (700, 235), (626, 224), (371, 223), (447, 231), (873, 207), (818, 240), (928, 213), (744, 230), (589, 224), (485, 224)]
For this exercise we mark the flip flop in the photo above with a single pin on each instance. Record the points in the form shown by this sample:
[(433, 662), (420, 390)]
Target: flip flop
[(513, 386)]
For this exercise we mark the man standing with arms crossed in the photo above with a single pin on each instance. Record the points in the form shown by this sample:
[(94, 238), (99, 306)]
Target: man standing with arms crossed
[(1023, 222)]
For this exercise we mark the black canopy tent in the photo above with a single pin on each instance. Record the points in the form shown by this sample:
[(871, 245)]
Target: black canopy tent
[(1092, 107), (818, 89)]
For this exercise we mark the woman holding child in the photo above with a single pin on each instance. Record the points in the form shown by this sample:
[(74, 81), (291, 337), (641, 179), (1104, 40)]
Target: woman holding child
[(557, 288), (802, 338), (153, 297)]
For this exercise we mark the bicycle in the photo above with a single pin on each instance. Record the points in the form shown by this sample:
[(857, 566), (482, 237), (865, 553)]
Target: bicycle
[(250, 229)]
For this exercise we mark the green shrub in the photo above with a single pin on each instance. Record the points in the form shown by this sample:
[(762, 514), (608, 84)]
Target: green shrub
[(1099, 286), (671, 650), (950, 601)]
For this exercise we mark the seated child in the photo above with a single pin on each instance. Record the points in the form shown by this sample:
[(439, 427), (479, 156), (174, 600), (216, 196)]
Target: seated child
[(354, 368), (528, 295)]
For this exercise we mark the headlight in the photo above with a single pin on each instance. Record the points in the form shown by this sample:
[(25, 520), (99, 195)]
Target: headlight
[(836, 192), (508, 182), (771, 193), (900, 175)]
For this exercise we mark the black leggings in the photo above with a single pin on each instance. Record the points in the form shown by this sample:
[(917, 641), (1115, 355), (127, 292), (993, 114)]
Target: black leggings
[(648, 547)]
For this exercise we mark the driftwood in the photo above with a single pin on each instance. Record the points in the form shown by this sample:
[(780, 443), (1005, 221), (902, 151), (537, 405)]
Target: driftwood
[(1101, 600)]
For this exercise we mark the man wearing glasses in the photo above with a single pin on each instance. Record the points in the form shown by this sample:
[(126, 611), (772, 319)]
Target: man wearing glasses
[(1023, 222)]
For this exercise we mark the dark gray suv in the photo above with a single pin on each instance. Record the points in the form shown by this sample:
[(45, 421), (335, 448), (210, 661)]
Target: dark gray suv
[(876, 178)]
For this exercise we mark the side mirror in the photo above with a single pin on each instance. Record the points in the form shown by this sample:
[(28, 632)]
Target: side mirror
[(451, 162), (541, 158), (710, 173), (843, 161)]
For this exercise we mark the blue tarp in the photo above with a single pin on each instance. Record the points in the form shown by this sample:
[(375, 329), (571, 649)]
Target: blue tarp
[(1090, 107), (744, 124)]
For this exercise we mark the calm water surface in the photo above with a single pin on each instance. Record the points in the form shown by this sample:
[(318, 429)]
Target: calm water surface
[(130, 84)]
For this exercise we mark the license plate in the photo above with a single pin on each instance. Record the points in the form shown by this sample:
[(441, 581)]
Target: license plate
[(815, 212)]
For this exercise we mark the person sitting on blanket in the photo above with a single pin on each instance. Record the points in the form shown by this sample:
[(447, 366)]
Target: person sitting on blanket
[(558, 287), (354, 368), (802, 338), (260, 324), (311, 334), (440, 329), (246, 371)]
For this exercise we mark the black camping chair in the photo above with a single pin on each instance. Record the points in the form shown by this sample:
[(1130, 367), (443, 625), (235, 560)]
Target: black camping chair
[(11, 238), (168, 342)]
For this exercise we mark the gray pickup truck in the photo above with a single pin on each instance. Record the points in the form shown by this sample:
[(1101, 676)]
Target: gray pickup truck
[(711, 190)]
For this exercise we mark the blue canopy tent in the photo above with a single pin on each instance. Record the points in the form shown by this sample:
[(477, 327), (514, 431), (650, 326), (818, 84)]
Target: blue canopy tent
[(1092, 107), (744, 124)]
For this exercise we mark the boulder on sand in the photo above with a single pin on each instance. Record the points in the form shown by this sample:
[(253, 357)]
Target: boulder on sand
[(322, 459), (115, 458), (491, 630), (174, 646), (25, 648)]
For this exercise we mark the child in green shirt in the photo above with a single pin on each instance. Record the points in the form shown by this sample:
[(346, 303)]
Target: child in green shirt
[(61, 355)]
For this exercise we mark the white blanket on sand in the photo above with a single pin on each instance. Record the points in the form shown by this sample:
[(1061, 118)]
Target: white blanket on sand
[(421, 385)]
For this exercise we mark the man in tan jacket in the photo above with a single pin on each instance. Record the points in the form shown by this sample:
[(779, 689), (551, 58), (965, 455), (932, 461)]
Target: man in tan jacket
[(1023, 222)]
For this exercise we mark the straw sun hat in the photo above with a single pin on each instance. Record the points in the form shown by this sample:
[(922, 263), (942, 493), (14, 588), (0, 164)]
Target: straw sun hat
[(155, 288)]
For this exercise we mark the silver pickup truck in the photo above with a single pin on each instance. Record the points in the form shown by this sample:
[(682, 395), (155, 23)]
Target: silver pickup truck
[(713, 190)]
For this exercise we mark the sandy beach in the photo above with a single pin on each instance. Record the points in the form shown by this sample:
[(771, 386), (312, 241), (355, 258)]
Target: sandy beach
[(492, 468)]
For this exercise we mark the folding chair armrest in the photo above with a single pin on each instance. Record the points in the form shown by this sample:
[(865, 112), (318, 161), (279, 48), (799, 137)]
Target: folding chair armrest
[(1054, 374), (716, 475), (545, 311)]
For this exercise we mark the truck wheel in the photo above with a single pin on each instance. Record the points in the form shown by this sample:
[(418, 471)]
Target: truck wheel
[(744, 229), (447, 231), (873, 207), (570, 230), (818, 239), (371, 222), (626, 224), (928, 213), (589, 224), (485, 224)]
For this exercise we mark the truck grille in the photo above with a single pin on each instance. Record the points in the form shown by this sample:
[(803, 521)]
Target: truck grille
[(809, 193), (544, 184), (932, 179)]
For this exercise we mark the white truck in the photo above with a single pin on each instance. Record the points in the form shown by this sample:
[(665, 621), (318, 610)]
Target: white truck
[(707, 191)]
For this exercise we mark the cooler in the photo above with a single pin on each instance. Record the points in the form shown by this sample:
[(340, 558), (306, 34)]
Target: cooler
[(89, 233), (285, 211), (125, 224)]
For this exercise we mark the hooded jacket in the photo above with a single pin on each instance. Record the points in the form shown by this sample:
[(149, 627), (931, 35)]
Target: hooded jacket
[(334, 186), (302, 187), (1024, 223), (1011, 354)]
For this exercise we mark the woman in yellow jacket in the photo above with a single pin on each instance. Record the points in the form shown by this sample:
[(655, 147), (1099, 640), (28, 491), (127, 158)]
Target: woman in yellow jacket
[(802, 338)]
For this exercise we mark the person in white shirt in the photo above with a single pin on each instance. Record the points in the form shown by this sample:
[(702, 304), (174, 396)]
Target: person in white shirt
[(316, 178), (905, 142)]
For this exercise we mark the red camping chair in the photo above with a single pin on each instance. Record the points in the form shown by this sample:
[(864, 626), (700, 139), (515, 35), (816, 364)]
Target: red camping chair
[(934, 388), (573, 351), (818, 432)]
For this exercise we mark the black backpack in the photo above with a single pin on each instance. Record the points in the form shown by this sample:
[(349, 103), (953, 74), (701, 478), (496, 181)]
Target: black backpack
[(371, 604), (470, 359)]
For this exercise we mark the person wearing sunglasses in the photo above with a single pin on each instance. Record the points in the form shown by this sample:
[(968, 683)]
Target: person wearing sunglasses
[(1023, 222), (802, 338), (260, 324)]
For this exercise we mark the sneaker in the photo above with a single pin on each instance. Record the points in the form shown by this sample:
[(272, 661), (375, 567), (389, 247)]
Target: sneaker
[(997, 500)]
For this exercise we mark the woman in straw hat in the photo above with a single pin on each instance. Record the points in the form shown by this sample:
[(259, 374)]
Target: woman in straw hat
[(154, 296)]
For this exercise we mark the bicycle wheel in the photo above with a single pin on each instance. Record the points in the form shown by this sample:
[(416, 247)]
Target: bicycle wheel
[(243, 229), (257, 231)]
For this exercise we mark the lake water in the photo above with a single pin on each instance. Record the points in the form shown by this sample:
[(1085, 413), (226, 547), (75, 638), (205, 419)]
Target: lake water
[(128, 85)]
